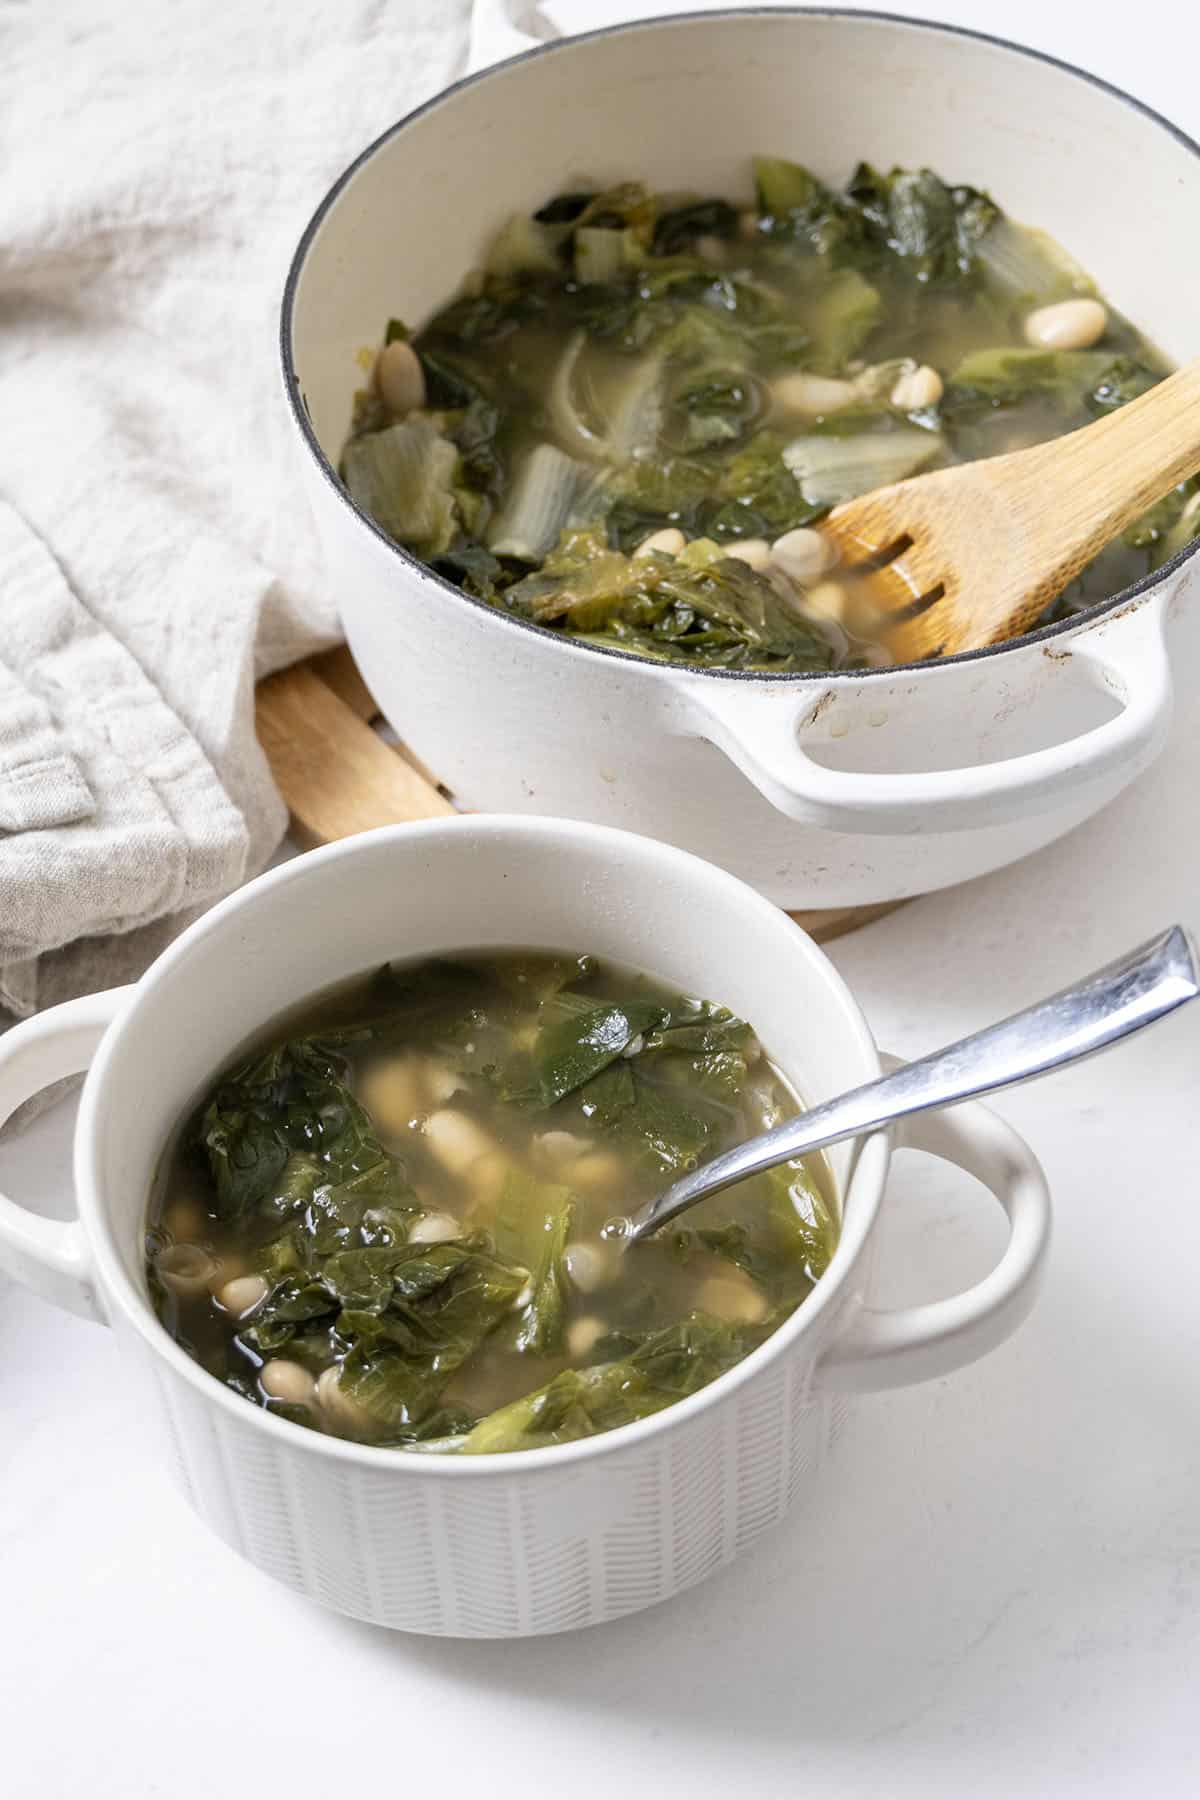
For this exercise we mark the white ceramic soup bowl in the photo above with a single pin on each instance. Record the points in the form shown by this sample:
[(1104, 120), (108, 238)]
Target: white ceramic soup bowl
[(820, 790), (521, 1542)]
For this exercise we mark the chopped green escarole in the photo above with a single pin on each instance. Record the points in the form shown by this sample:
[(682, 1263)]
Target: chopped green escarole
[(618, 364), (663, 1367)]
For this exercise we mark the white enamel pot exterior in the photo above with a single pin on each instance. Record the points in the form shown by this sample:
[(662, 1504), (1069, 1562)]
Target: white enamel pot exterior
[(821, 791), (519, 1543)]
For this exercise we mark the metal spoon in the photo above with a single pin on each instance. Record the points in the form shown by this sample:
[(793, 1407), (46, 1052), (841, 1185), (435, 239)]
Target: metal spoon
[(1098, 1011)]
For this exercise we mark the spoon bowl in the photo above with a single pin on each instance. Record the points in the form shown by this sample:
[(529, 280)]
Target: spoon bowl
[(973, 555)]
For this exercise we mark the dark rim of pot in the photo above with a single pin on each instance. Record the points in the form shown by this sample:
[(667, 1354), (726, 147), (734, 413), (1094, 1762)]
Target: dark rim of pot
[(566, 45)]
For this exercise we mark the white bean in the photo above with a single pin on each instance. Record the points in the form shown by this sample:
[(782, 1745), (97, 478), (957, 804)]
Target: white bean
[(803, 555), (917, 389), (562, 1146), (393, 1094), (281, 1379), (1069, 325), (441, 1083), (812, 394), (400, 378), (668, 542), (584, 1334), (827, 600), (588, 1266), (338, 1404), (486, 1177), (434, 1228), (598, 1170), (727, 1297), (242, 1295), (456, 1140), (186, 1269), (755, 551)]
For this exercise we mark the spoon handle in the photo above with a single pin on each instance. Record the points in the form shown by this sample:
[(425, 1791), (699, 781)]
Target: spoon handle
[(1099, 479), (1095, 1013)]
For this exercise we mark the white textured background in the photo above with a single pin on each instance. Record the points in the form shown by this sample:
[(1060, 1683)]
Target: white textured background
[(997, 1590)]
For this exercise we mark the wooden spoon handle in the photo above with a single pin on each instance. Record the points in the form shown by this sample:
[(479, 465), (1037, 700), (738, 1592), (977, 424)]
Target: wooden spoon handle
[(1098, 480)]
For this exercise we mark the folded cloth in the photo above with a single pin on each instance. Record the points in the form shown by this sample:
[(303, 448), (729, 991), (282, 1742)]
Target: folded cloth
[(156, 555)]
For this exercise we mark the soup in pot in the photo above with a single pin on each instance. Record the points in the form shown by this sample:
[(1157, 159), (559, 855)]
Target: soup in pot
[(396, 1218), (631, 420)]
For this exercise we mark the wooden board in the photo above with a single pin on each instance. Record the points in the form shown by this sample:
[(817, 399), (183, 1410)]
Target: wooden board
[(339, 776)]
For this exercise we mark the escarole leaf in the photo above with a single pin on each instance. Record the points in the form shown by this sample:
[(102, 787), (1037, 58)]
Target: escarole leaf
[(599, 254), (577, 1038), (833, 468), (724, 611), (404, 477), (533, 1222), (283, 1132), (1169, 539), (802, 1226), (445, 1300), (840, 317), (794, 204), (758, 495), (1010, 372), (545, 490), (934, 230), (293, 1301), (568, 424), (678, 228), (665, 1366), (1029, 264), (704, 1053), (638, 412)]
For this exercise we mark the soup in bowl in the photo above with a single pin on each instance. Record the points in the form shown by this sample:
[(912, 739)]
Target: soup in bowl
[(529, 1539)]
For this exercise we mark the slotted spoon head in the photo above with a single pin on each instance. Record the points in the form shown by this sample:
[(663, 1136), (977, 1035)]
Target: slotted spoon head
[(952, 562), (973, 555)]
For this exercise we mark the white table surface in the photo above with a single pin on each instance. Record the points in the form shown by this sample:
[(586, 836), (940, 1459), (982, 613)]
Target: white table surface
[(996, 1591)]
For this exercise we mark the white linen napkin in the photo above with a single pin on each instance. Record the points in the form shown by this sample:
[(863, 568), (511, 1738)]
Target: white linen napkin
[(156, 554)]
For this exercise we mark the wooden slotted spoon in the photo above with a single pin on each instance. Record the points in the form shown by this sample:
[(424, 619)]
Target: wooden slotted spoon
[(973, 555)]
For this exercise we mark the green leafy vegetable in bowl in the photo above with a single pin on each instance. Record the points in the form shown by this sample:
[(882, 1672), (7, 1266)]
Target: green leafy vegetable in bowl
[(389, 1223), (702, 380)]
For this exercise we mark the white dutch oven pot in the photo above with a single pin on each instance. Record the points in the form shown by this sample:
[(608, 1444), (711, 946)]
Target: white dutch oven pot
[(820, 790), (518, 1543)]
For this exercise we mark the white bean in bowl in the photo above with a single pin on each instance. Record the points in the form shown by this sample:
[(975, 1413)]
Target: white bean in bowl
[(803, 555), (917, 388), (400, 378), (282, 1379), (242, 1295), (1068, 325)]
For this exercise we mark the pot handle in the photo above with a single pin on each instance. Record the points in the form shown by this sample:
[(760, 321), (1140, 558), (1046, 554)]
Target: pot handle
[(758, 731), (50, 1255), (504, 28), (886, 1348)]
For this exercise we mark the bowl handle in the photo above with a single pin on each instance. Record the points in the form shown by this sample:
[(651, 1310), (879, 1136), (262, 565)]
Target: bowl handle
[(504, 28), (50, 1255), (758, 730), (885, 1348)]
